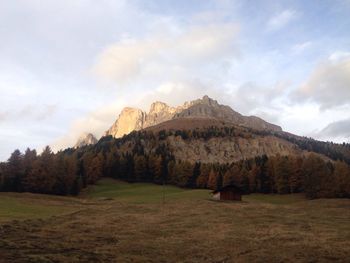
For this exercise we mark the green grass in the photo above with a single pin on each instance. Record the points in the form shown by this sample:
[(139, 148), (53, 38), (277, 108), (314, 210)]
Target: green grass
[(274, 198), (152, 193), (143, 192), (27, 206), (30, 206)]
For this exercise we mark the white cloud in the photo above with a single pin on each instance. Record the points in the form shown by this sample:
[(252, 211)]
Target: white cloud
[(337, 131), (97, 122), (171, 54), (281, 19), (339, 55), (328, 85), (29, 112), (299, 48)]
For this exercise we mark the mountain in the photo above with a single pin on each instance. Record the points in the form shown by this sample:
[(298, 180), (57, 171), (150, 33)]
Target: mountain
[(132, 119), (200, 144), (85, 139)]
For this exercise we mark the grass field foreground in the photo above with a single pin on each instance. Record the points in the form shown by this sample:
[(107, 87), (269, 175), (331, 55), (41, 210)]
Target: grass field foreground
[(119, 222)]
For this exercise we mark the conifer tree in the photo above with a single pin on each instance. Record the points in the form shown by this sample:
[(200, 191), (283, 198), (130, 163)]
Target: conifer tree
[(212, 179), (28, 159), (282, 175), (193, 177), (341, 186), (312, 175), (140, 168), (41, 178), (252, 179), (202, 179), (14, 172), (155, 168), (295, 178)]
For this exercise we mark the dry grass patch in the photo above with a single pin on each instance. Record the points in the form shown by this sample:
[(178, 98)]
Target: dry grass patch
[(183, 230)]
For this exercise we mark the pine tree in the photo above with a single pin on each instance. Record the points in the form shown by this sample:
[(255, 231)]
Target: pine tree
[(263, 179), (271, 171), (41, 178), (212, 179), (195, 174), (96, 168), (2, 176), (71, 178), (140, 168), (341, 176), (245, 179), (295, 178), (29, 158), (313, 171), (182, 173), (282, 175), (171, 171), (202, 179), (14, 172), (252, 179), (86, 162), (155, 169)]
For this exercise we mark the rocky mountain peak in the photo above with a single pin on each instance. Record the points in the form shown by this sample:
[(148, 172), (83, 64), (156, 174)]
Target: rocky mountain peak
[(85, 139), (131, 119), (157, 107), (209, 101), (205, 100)]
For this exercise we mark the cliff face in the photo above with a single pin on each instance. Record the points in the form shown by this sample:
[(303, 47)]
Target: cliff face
[(222, 149), (225, 150), (85, 139), (131, 119)]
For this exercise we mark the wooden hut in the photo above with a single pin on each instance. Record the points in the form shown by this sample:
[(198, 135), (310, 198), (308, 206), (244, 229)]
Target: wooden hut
[(229, 192)]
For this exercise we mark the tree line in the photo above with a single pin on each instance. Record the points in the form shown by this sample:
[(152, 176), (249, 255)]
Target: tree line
[(68, 172)]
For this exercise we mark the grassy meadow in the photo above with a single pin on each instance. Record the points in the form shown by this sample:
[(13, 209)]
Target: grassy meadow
[(115, 221)]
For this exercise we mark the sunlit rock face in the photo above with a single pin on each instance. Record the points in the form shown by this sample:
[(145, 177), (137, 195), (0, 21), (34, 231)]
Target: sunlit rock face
[(132, 119), (86, 139)]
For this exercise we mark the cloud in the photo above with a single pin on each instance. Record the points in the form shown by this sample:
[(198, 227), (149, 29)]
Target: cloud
[(173, 54), (281, 19), (3, 115), (328, 85), (250, 98), (176, 93), (339, 131), (299, 48), (29, 112), (339, 55), (96, 122)]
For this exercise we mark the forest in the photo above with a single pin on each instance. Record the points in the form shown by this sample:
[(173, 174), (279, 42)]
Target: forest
[(68, 172)]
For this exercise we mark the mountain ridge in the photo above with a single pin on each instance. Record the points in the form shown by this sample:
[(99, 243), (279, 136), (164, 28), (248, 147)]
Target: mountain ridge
[(134, 119)]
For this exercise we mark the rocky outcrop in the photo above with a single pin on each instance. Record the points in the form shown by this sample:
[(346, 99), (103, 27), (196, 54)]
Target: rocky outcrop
[(131, 119), (158, 113), (221, 149), (86, 139), (226, 150), (208, 107)]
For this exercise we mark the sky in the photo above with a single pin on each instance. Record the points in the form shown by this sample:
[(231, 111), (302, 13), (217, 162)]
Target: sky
[(69, 67)]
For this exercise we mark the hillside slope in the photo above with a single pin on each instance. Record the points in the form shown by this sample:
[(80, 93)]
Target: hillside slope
[(217, 141)]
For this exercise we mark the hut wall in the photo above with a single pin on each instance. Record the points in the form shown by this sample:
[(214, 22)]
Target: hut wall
[(230, 195)]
